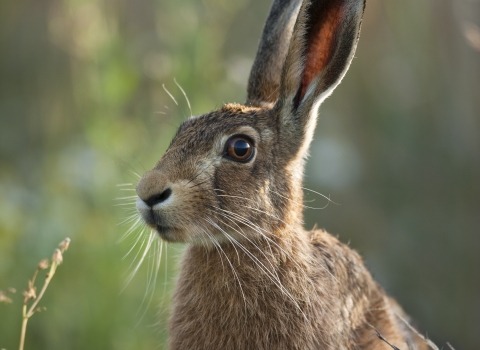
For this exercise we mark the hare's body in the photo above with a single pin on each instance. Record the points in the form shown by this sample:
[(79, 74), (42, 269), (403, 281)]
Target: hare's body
[(339, 300), (230, 184)]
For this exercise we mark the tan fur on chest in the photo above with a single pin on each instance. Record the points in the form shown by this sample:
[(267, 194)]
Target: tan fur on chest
[(224, 301)]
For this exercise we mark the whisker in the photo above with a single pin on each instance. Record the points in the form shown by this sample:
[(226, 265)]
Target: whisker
[(257, 229), (285, 252), (169, 94), (256, 209), (139, 237), (132, 228), (260, 230), (306, 206), (184, 94), (233, 269), (122, 198), (129, 167), (200, 173), (153, 274), (166, 268), (142, 258), (216, 245), (123, 204), (262, 267), (201, 183), (327, 198), (136, 174), (128, 219), (246, 237)]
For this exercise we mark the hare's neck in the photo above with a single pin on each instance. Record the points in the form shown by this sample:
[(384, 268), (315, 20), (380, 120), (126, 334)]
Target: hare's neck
[(239, 255), (292, 213), (226, 294), (285, 292)]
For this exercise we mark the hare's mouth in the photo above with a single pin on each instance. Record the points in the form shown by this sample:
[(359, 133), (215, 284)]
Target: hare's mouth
[(168, 233), (155, 221), (163, 230)]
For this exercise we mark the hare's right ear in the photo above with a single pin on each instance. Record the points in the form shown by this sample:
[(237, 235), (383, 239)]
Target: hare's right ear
[(322, 46), (264, 81)]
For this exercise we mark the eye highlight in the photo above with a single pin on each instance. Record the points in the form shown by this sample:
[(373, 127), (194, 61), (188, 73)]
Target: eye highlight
[(239, 148)]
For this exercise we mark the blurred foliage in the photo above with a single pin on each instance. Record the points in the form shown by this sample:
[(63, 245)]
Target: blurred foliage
[(82, 109)]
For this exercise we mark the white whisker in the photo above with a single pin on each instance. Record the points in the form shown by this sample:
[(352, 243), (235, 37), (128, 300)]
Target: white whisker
[(169, 94), (327, 198), (135, 173), (128, 219), (263, 232), (141, 235), (184, 94), (231, 265), (217, 246), (126, 184), (150, 239), (132, 228), (126, 197), (273, 278), (291, 200), (153, 268), (248, 239)]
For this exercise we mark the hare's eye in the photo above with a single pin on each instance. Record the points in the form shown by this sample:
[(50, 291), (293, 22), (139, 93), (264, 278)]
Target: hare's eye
[(239, 148)]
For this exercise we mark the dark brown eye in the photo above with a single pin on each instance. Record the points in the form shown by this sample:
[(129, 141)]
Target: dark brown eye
[(239, 148)]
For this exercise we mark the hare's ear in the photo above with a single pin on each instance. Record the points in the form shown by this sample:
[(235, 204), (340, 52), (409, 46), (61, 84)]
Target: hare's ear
[(322, 46), (264, 81)]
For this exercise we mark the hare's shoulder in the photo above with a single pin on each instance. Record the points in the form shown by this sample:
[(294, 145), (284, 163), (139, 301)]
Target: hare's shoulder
[(344, 267), (361, 300), (329, 249)]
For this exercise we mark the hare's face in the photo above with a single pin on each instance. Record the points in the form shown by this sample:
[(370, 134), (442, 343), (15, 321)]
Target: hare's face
[(223, 177), (236, 173)]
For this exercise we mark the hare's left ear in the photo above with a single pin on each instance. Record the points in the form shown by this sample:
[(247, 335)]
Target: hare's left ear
[(322, 46), (264, 81)]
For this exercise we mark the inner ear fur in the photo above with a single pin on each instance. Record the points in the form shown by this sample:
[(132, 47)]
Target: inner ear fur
[(321, 33), (322, 46)]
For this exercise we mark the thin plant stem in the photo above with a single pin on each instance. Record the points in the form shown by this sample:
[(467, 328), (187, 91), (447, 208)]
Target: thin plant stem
[(50, 274), (30, 294), (24, 327), (31, 311)]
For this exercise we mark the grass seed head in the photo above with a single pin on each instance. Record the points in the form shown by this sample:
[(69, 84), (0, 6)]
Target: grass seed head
[(43, 264), (64, 244), (57, 257)]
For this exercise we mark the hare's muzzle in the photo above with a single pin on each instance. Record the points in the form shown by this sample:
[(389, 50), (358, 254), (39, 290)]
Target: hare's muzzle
[(153, 193)]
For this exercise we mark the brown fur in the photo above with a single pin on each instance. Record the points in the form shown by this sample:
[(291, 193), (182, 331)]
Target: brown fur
[(252, 277), (327, 279)]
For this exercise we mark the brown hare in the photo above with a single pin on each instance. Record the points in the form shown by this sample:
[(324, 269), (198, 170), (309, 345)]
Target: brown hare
[(230, 185)]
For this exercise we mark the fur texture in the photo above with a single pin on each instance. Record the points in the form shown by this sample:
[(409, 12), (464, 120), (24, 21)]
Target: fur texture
[(252, 277)]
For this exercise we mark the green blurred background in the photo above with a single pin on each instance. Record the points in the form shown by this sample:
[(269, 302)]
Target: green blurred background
[(82, 108)]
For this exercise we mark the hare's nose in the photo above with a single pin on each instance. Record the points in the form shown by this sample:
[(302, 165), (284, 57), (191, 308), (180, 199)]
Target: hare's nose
[(158, 198), (153, 188)]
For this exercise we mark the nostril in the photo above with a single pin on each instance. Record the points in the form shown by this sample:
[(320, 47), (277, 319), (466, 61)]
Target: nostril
[(159, 198)]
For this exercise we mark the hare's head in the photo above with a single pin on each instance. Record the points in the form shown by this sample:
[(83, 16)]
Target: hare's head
[(236, 173)]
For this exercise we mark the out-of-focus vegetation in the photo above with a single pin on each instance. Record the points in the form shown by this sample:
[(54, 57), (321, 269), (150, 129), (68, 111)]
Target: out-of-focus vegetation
[(82, 109)]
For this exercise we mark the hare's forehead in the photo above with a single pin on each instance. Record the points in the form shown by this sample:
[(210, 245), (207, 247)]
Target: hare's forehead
[(202, 133)]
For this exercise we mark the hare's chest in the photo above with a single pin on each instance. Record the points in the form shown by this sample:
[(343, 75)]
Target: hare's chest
[(238, 308)]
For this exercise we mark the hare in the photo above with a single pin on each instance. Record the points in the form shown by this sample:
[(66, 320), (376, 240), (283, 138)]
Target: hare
[(230, 185)]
